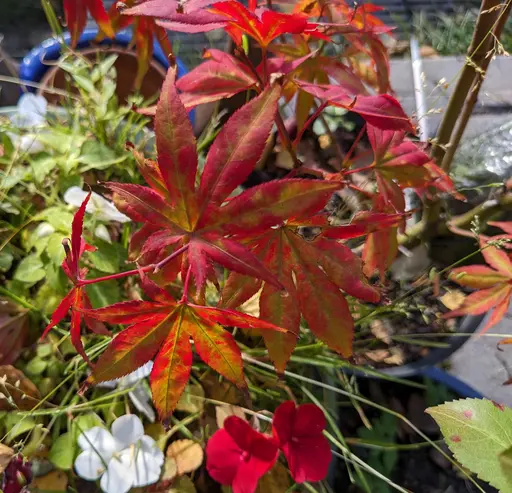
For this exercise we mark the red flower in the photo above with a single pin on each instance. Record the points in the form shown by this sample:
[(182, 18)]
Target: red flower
[(298, 431), (238, 455)]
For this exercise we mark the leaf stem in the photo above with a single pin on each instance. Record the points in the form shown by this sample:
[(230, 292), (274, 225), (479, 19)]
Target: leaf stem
[(309, 121), (184, 298), (154, 267)]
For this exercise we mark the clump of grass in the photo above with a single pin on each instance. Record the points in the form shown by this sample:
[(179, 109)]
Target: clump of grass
[(451, 34)]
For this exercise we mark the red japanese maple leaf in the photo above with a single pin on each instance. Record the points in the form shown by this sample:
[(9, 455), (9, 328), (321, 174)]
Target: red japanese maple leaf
[(493, 284), (163, 328), (406, 162), (76, 300), (261, 24), (188, 16), (75, 12), (313, 273), (314, 68), (382, 111), (299, 434), (220, 76), (238, 455), (179, 215)]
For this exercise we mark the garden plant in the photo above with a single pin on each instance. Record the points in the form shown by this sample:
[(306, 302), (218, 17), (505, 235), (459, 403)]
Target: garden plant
[(135, 248)]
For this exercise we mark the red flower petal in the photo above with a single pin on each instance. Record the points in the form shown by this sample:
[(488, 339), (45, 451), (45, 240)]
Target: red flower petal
[(298, 431), (238, 455)]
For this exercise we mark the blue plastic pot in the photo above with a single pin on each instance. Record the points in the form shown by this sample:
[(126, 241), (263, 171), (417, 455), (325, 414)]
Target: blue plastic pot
[(463, 390), (35, 64)]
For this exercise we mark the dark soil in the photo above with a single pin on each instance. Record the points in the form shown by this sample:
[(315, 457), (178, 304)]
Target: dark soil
[(422, 469), (395, 337)]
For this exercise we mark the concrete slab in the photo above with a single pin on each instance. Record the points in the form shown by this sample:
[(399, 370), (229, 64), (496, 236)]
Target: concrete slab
[(482, 365)]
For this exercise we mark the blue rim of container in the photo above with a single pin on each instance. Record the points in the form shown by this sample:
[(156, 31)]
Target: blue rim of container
[(34, 65)]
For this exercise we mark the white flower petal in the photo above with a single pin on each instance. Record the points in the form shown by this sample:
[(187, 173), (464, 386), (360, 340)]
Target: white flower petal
[(32, 103), (75, 196), (142, 402), (30, 111), (127, 429), (150, 447), (102, 233), (147, 470), (88, 465), (140, 373), (105, 210), (99, 441), (119, 477)]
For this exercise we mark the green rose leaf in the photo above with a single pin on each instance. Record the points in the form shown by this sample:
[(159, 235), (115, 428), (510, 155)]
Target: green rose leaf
[(479, 433)]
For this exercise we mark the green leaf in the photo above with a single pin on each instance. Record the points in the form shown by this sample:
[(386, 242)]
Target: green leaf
[(84, 422), (506, 464), (58, 217), (62, 453), (96, 155), (6, 259), (103, 293), (42, 165), (30, 270), (60, 140), (44, 350), (36, 366), (477, 431), (183, 484), (55, 250), (17, 425), (107, 257)]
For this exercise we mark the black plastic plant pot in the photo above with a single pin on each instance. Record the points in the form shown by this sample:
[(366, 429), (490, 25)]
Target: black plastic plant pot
[(420, 469), (468, 325)]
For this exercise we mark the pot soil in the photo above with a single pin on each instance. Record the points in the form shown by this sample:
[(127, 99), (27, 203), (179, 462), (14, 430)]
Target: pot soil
[(412, 335), (126, 67), (393, 448)]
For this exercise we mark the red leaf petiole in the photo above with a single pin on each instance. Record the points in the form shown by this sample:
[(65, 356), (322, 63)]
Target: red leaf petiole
[(154, 267)]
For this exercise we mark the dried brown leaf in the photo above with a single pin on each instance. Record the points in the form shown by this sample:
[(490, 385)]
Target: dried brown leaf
[(187, 454), (6, 454), (17, 390)]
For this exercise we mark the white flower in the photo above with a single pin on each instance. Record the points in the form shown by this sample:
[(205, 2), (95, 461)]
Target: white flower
[(123, 459), (104, 210), (139, 396), (30, 114), (102, 233)]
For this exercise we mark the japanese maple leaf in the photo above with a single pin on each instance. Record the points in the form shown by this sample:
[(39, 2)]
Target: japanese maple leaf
[(313, 273), (76, 300), (261, 24), (179, 215), (314, 68), (382, 111), (493, 284), (144, 30), (299, 434), (75, 12), (406, 162), (220, 76), (188, 16), (238, 455), (161, 329)]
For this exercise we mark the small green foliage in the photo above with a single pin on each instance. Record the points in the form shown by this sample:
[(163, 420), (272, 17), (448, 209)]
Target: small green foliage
[(384, 430)]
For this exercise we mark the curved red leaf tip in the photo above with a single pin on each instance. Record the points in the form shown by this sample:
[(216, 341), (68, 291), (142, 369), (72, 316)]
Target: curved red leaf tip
[(299, 434), (237, 455)]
